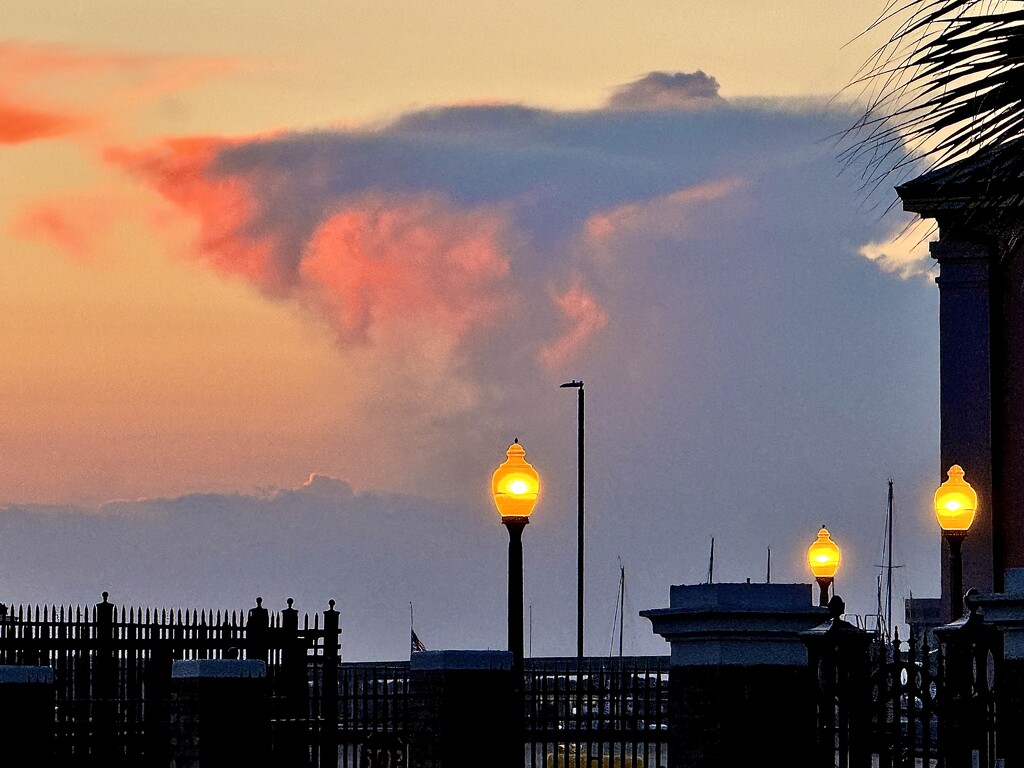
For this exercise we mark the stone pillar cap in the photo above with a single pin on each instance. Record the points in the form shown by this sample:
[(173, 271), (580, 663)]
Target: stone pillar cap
[(218, 668), (14, 674), (457, 660)]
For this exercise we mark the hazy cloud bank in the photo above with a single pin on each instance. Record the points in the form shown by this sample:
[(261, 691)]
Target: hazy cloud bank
[(373, 553)]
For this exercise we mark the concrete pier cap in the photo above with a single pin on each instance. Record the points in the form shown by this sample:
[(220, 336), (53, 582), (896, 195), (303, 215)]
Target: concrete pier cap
[(18, 675), (737, 624), (218, 669), (1005, 611), (459, 660)]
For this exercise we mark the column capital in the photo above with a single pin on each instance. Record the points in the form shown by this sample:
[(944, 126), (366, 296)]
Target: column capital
[(948, 249)]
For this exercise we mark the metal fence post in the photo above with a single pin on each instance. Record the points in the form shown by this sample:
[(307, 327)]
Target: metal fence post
[(838, 655), (104, 684), (329, 684), (292, 692), (966, 711), (256, 627)]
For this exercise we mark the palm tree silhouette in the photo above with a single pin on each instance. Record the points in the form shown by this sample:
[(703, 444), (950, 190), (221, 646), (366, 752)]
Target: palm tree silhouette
[(948, 84)]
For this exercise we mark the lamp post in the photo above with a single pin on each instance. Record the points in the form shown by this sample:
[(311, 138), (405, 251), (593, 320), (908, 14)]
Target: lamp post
[(515, 486), (955, 504), (578, 386), (823, 556)]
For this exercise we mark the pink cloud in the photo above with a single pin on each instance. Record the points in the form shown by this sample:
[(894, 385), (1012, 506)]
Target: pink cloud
[(101, 93), (73, 224), (20, 124), (223, 207), (371, 260), (380, 258), (23, 61), (584, 316), (665, 216)]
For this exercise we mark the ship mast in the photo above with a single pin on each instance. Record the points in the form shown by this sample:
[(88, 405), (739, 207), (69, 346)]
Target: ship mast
[(888, 567)]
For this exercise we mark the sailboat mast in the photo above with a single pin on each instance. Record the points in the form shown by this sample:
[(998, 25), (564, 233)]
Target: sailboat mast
[(879, 613), (622, 602), (888, 568), (711, 563)]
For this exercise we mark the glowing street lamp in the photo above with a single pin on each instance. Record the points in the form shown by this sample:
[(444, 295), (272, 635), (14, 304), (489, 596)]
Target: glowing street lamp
[(955, 505), (823, 557), (515, 486)]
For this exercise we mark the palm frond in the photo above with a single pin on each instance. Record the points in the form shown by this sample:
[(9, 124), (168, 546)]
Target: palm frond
[(946, 84)]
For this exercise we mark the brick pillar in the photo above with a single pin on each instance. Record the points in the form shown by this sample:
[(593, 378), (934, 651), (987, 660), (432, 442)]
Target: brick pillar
[(26, 715), (464, 710), (739, 684), (219, 713)]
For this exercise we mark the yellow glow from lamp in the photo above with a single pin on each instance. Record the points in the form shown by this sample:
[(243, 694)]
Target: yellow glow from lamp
[(824, 556), (515, 484), (955, 501)]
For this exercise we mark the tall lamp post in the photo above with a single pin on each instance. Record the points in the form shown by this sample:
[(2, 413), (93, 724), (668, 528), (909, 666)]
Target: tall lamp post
[(955, 504), (515, 486), (823, 556), (578, 386)]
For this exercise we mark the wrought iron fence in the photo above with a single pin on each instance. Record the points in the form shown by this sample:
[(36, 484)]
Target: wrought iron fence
[(890, 705), (112, 673), (909, 704), (373, 714), (597, 712), (905, 681), (112, 690)]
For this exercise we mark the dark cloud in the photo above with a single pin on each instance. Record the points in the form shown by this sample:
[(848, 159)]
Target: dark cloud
[(667, 90)]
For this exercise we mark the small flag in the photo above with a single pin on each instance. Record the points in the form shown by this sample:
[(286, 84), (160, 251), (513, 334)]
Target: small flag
[(416, 644)]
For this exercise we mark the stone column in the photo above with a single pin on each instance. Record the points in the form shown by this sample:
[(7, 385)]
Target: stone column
[(1008, 404), (981, 345), (965, 409), (219, 713), (464, 710), (739, 683)]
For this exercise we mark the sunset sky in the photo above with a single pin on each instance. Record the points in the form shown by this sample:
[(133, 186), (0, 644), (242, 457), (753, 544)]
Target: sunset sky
[(279, 285)]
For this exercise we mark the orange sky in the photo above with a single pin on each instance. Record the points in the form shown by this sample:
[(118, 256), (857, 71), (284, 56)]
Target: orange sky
[(130, 369)]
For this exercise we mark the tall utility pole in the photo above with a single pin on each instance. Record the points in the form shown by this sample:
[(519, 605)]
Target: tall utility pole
[(578, 386)]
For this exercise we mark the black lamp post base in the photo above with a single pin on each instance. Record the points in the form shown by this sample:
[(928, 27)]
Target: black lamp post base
[(955, 540), (515, 527), (824, 582)]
